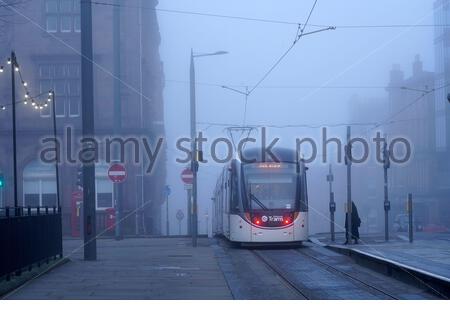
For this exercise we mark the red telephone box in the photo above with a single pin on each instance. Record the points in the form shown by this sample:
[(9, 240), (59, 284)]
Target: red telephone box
[(75, 219), (110, 219)]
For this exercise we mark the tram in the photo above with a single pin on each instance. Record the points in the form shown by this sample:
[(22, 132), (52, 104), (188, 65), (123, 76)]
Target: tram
[(259, 199)]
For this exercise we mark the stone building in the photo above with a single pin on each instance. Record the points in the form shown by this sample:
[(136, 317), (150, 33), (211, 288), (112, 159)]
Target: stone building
[(128, 76)]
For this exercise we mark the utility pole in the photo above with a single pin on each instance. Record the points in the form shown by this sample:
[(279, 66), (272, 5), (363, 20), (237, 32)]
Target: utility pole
[(387, 203), (13, 104), (118, 189), (348, 161), (194, 162), (87, 101), (330, 179)]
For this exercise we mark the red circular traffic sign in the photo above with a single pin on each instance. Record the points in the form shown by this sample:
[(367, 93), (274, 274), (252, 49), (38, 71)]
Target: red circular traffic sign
[(117, 173), (187, 176)]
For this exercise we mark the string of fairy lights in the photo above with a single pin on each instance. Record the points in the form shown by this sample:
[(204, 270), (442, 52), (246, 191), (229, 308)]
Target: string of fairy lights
[(38, 102)]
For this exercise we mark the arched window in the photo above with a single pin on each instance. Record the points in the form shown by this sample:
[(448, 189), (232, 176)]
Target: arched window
[(39, 185)]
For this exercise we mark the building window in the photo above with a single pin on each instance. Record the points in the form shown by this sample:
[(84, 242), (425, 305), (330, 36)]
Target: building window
[(104, 191), (62, 16), (66, 24), (103, 188), (39, 185), (52, 24), (64, 79)]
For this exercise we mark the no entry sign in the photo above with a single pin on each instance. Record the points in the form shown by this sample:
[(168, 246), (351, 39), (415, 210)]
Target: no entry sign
[(187, 176), (117, 173)]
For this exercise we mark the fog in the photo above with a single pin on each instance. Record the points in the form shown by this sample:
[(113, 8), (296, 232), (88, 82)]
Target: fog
[(313, 85)]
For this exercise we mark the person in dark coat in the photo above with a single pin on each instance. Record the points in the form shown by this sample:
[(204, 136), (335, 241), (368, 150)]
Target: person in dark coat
[(356, 223)]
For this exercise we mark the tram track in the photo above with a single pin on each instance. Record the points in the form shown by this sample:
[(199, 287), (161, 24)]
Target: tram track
[(305, 291), (292, 285), (346, 274)]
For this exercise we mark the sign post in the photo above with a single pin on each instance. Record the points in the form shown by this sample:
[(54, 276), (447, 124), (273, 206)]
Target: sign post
[(187, 176), (409, 210), (180, 217), (167, 192), (117, 174)]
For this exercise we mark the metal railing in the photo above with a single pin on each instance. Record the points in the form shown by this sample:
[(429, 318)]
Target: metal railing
[(29, 236)]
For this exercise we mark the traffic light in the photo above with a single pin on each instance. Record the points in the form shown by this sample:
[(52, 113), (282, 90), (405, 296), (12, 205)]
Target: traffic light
[(2, 181), (80, 177)]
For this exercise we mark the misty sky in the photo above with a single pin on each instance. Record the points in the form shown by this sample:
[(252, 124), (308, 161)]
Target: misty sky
[(343, 57)]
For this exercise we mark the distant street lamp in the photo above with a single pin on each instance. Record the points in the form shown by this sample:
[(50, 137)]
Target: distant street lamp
[(196, 156)]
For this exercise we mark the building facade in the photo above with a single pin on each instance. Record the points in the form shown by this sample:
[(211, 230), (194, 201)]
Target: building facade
[(442, 111), (367, 190), (412, 116), (128, 86)]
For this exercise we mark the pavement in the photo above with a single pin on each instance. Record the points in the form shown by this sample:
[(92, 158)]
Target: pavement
[(146, 268), (429, 253), (169, 268)]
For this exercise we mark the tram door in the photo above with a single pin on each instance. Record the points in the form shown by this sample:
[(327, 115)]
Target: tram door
[(227, 204)]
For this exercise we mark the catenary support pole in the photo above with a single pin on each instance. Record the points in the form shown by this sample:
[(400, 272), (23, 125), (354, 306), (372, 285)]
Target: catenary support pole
[(387, 204), (194, 163), (348, 155), (87, 101), (332, 204)]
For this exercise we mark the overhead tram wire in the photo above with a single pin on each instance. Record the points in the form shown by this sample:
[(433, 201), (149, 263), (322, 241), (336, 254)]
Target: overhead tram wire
[(233, 87), (300, 33), (262, 20), (316, 126), (298, 36)]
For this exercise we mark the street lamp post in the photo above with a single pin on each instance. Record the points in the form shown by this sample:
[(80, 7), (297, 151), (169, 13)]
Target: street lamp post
[(13, 105), (195, 152), (55, 136)]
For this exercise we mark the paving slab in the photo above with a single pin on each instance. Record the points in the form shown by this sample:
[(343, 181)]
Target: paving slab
[(145, 268), (427, 253)]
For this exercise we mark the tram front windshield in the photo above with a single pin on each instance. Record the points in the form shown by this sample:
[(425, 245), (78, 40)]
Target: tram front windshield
[(271, 185)]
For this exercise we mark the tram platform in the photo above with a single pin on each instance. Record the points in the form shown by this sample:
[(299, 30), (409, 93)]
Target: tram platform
[(426, 259), (140, 268)]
